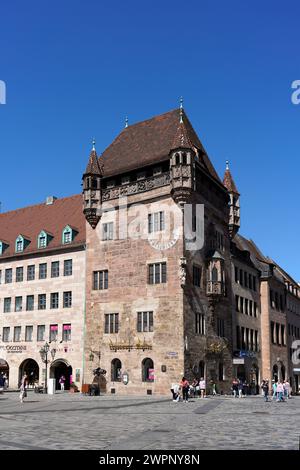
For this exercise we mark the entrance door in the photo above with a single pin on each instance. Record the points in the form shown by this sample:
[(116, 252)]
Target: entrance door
[(59, 368), (31, 368)]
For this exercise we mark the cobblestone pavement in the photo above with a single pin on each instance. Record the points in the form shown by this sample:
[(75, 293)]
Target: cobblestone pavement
[(74, 421)]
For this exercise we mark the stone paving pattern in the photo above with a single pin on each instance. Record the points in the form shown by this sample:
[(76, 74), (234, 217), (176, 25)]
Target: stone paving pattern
[(75, 421)]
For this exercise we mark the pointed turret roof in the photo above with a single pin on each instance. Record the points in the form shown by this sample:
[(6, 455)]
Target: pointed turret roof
[(181, 139), (95, 164), (229, 182), (150, 141)]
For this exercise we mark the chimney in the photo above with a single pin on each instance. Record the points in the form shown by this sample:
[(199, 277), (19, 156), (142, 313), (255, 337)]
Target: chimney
[(50, 200)]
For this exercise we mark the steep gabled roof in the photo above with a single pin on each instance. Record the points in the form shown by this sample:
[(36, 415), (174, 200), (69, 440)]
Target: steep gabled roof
[(95, 164), (51, 218), (150, 142)]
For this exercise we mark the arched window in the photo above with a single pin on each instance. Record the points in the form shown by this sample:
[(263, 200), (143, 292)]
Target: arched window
[(116, 366), (214, 274), (147, 370)]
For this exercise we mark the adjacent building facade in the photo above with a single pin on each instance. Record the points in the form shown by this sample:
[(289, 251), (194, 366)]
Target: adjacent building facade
[(146, 275), (42, 276)]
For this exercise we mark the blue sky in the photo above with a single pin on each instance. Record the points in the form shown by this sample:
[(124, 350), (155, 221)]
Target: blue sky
[(74, 70)]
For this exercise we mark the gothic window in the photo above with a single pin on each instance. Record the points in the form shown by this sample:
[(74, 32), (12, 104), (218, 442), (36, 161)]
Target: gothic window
[(214, 274)]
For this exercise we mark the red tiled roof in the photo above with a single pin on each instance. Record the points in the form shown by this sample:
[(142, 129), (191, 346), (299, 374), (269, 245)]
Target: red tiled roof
[(229, 183), (52, 218), (150, 142)]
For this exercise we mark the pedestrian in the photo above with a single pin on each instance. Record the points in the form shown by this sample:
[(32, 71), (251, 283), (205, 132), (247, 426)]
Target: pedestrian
[(240, 389), (286, 386), (194, 386), (265, 389), (185, 389), (235, 387), (2, 382), (202, 386), (62, 382), (274, 389), (280, 392), (24, 383), (175, 392), (214, 390)]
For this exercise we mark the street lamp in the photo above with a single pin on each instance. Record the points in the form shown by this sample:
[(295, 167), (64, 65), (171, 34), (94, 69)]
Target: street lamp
[(44, 356)]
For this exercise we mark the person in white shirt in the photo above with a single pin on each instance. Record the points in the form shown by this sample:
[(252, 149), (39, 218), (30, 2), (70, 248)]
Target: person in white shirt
[(175, 392), (202, 387)]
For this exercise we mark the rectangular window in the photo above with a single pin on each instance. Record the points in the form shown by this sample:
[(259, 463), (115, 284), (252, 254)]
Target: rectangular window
[(144, 321), (18, 304), (8, 276), (196, 276), (245, 279), (243, 338), (241, 277), (236, 274), (17, 333), (54, 299), (272, 333), (250, 281), (30, 273), (277, 326), (67, 332), (251, 308), (256, 340), (67, 302), (221, 327), (53, 332), (68, 267), (67, 237), (28, 333), (242, 304), (238, 338), (276, 301), (108, 231), (7, 305), (237, 303), (111, 323), (5, 334), (41, 333), (246, 306), (43, 271), (55, 269), (100, 280), (282, 335), (19, 274), (157, 273), (255, 309), (199, 324), (156, 222), (42, 302), (30, 302)]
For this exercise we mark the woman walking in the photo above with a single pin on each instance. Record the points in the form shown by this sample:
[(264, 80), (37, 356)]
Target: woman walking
[(185, 389), (24, 383)]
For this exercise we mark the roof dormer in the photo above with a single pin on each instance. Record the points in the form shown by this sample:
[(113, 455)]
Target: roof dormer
[(68, 234), (3, 246), (21, 243), (44, 238)]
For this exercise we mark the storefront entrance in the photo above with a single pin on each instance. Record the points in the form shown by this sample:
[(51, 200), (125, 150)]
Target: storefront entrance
[(31, 368), (4, 371), (59, 368)]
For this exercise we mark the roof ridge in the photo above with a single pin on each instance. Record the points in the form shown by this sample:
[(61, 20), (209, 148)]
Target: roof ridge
[(37, 205), (149, 119)]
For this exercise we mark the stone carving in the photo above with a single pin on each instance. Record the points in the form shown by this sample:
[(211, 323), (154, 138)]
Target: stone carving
[(136, 187)]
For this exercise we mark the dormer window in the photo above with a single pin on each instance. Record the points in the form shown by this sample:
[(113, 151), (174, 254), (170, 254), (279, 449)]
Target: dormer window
[(43, 239), (3, 247), (68, 235), (21, 243)]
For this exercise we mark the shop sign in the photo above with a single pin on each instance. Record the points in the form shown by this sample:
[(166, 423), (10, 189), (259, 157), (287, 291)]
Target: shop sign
[(238, 361), (13, 349)]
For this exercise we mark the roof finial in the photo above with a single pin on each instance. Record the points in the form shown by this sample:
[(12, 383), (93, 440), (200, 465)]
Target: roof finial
[(94, 143), (181, 110), (227, 165), (126, 121)]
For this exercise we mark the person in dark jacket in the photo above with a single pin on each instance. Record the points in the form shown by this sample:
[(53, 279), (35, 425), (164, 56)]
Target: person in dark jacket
[(265, 389)]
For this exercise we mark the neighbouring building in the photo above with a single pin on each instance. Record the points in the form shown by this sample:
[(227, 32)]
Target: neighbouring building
[(42, 283)]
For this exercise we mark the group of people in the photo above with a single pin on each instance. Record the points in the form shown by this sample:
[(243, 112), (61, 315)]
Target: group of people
[(184, 390), (280, 390), (3, 381)]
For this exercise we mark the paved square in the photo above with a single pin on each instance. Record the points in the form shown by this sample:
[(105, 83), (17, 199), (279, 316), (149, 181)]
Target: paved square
[(74, 421)]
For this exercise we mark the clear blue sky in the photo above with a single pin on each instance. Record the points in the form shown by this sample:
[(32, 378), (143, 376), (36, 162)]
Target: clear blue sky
[(74, 69)]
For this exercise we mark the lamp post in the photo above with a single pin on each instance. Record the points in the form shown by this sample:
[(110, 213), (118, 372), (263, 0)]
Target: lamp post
[(44, 356)]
